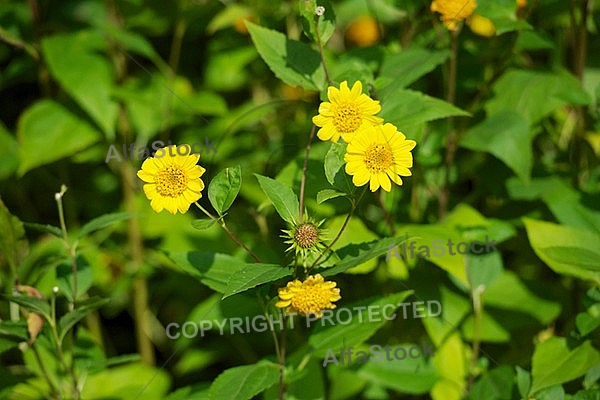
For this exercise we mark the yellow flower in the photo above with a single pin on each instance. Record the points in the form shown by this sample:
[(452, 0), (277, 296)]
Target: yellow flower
[(312, 296), (521, 3), (172, 180), (346, 113), (453, 11), (379, 154), (481, 26)]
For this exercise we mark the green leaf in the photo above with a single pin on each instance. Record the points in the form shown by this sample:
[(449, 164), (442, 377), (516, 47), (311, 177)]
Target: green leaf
[(84, 308), (224, 188), (212, 269), (104, 221), (317, 28), (361, 327), (31, 304), (245, 382), (586, 323), (198, 391), (283, 198), (127, 382), (357, 254), (555, 362), (54, 230), (203, 224), (534, 94), (407, 108), (506, 136), (414, 376), (48, 132), (64, 277), (566, 250), (401, 69), (13, 243), (84, 73), (253, 275), (9, 151), (14, 330), (328, 194), (334, 168), (495, 385), (523, 381), (293, 62)]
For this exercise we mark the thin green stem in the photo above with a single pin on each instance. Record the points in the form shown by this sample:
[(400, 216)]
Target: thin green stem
[(304, 168), (354, 205), (451, 144), (228, 231), (322, 55), (477, 294)]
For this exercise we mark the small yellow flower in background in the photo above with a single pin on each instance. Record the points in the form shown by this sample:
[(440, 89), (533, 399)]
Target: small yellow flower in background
[(312, 296), (363, 31), (378, 155), (172, 180), (481, 26), (521, 3), (346, 113), (453, 11)]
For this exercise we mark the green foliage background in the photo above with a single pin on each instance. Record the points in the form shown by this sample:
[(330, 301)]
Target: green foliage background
[(511, 152)]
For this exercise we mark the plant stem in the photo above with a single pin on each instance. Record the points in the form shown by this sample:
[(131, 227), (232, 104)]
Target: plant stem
[(322, 55), (304, 168), (478, 311), (451, 145), (229, 232)]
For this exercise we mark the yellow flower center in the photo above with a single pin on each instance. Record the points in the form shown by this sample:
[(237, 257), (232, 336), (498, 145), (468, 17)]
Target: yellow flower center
[(312, 298), (378, 158), (171, 181), (347, 118), (306, 235)]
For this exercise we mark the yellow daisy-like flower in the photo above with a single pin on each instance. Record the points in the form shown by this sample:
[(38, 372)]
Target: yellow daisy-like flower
[(312, 296), (172, 180), (347, 112), (379, 154), (453, 11)]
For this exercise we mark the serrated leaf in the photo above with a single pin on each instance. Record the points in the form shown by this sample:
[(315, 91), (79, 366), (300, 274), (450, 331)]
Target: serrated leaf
[(334, 167), (282, 197), (84, 308), (224, 188), (253, 275), (356, 254), (401, 69), (202, 224), (295, 63), (245, 382), (407, 108), (212, 269), (104, 221)]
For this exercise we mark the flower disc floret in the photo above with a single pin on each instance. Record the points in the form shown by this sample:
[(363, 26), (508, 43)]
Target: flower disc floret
[(378, 155), (172, 180), (312, 296), (347, 112)]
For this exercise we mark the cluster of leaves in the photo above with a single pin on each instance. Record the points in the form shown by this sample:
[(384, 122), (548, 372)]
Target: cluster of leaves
[(512, 156)]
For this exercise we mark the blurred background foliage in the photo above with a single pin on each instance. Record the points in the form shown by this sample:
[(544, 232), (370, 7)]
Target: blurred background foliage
[(511, 151)]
